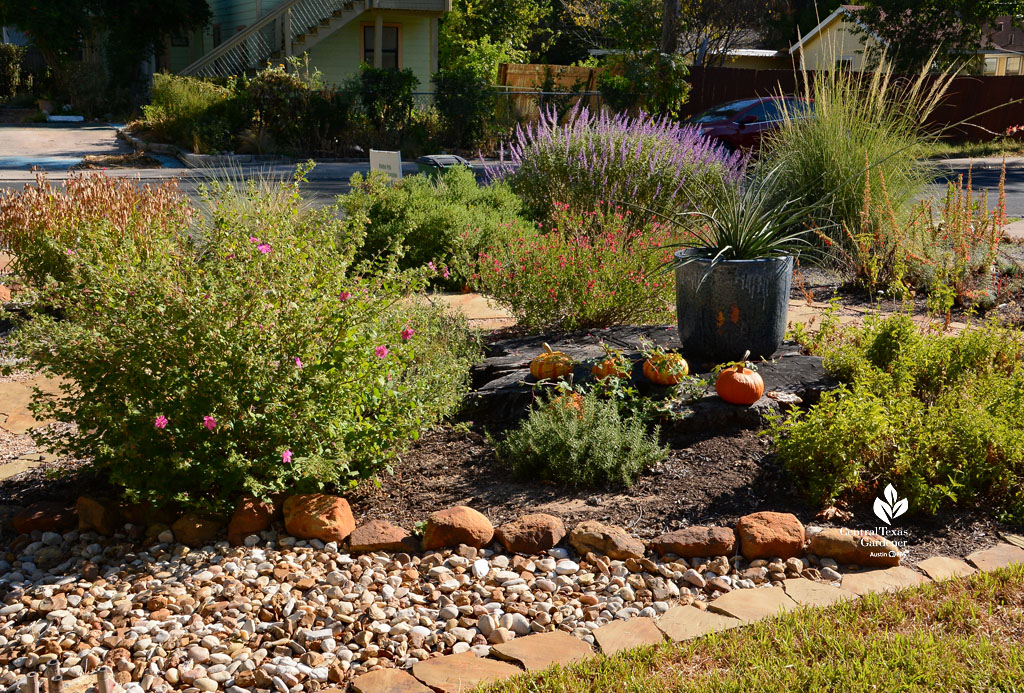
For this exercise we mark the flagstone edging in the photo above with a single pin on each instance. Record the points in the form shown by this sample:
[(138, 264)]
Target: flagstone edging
[(678, 624)]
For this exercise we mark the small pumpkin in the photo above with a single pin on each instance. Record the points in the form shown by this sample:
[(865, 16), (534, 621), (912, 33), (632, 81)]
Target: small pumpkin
[(611, 366), (551, 364), (666, 368), (739, 384)]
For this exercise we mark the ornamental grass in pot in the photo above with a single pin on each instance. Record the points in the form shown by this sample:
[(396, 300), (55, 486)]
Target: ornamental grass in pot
[(734, 277)]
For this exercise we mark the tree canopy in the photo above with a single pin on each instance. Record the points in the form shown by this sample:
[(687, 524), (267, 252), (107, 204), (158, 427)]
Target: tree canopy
[(914, 30), (129, 31), (479, 34)]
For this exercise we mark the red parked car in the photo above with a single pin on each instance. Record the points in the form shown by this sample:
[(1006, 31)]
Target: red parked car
[(740, 124)]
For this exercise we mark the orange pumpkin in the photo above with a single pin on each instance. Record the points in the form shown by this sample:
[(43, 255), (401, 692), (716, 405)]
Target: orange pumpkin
[(551, 364), (739, 385), (617, 367), (666, 369)]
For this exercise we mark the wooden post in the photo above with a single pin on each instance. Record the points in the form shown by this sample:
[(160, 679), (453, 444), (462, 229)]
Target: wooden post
[(378, 40), (31, 683), (55, 684), (288, 33), (433, 47)]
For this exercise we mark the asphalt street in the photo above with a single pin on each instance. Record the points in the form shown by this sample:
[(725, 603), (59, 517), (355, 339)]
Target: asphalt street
[(54, 149)]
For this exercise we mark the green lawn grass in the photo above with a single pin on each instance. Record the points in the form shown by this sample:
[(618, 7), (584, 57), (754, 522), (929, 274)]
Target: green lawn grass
[(975, 150), (951, 636)]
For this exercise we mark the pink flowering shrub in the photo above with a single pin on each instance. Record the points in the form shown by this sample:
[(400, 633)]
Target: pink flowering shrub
[(245, 354), (590, 269)]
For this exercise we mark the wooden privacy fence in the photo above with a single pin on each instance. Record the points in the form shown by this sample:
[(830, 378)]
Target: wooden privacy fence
[(984, 104), (528, 88)]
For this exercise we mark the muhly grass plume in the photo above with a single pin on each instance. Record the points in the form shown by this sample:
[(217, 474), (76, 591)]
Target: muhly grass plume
[(596, 160)]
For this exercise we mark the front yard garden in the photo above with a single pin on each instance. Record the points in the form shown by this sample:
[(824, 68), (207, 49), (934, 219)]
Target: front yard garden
[(282, 465)]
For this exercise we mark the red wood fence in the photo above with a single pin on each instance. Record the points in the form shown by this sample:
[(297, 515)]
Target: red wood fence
[(975, 107)]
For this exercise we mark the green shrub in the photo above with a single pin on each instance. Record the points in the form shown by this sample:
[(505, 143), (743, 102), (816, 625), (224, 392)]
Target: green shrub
[(859, 123), (935, 416), (651, 81), (244, 354), (466, 102), (10, 69), (446, 222), (195, 114), (599, 161), (581, 441), (590, 269), (386, 95)]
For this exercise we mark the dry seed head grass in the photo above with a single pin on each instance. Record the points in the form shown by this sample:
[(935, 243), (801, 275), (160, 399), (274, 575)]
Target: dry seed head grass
[(131, 210)]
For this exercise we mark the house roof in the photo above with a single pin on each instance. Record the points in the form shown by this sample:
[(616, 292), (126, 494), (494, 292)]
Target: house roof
[(1005, 34), (847, 10)]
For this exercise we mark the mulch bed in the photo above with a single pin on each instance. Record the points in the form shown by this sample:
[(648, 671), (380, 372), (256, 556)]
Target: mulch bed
[(105, 161), (706, 480)]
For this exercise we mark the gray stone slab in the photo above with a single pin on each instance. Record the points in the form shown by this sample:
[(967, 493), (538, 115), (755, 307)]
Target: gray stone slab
[(753, 604), (624, 635), (688, 622)]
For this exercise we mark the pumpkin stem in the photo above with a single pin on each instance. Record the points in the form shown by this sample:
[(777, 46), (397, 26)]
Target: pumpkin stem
[(548, 348), (742, 363)]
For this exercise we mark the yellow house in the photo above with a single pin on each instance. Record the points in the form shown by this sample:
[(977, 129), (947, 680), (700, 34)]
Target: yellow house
[(835, 42), (840, 40), (337, 35)]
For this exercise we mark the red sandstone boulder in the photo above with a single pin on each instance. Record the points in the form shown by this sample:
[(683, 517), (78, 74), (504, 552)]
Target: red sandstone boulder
[(531, 534), (849, 548), (318, 516), (102, 515), (196, 530), (381, 535), (45, 517), (458, 525), (594, 537), (770, 535), (697, 542), (251, 516)]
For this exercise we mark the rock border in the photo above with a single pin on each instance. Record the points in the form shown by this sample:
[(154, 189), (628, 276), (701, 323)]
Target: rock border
[(706, 579)]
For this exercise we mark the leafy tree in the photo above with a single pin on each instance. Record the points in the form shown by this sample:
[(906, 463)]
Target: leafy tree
[(129, 31), (479, 34), (915, 29), (705, 29), (788, 20)]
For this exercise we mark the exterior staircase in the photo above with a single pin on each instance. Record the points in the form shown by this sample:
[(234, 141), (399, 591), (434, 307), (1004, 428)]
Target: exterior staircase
[(290, 29)]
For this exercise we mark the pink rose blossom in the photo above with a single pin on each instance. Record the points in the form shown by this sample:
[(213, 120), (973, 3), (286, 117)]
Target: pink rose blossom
[(431, 266), (344, 296), (381, 351), (298, 362), (253, 239), (161, 421), (263, 248), (209, 422), (445, 273), (286, 456), (407, 334)]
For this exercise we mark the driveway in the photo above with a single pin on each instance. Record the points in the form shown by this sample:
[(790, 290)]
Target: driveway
[(55, 147)]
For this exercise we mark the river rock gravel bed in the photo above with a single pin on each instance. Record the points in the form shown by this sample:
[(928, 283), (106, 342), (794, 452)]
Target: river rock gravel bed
[(288, 615)]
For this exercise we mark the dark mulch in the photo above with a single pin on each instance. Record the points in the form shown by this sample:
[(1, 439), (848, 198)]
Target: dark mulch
[(706, 480)]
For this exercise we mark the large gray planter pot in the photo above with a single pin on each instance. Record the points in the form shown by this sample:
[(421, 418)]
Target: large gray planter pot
[(731, 306)]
